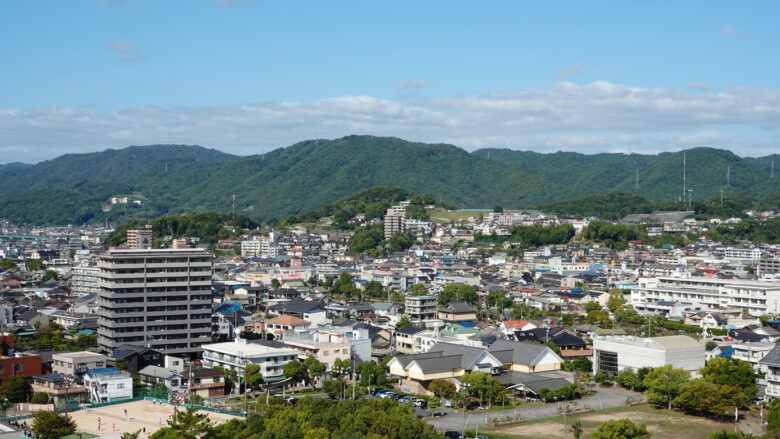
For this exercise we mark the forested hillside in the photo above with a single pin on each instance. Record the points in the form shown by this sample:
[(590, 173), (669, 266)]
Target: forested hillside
[(171, 179)]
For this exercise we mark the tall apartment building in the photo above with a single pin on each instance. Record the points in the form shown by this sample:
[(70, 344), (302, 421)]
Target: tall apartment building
[(742, 254), (158, 298), (140, 238), (754, 296), (395, 221), (768, 266), (84, 280)]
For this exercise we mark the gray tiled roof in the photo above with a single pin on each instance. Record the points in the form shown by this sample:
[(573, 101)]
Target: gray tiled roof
[(517, 352), (772, 357)]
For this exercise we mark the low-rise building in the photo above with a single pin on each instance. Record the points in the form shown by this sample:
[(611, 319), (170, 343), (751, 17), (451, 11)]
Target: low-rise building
[(108, 384), (77, 363), (60, 388), (236, 355), (615, 353), (421, 307)]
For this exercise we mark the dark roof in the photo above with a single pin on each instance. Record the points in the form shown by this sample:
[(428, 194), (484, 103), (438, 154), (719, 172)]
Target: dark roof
[(361, 307), (462, 307), (28, 315), (772, 357), (409, 330), (296, 306), (533, 382)]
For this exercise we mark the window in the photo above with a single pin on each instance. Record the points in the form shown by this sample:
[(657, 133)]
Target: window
[(120, 386), (17, 367), (98, 364), (103, 387)]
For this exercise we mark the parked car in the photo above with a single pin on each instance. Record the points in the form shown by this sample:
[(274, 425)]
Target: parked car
[(453, 435)]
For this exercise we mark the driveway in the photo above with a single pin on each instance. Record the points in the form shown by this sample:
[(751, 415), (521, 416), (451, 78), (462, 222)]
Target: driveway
[(602, 399)]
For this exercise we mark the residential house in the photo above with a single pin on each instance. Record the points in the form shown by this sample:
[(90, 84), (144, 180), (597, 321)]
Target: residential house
[(457, 312), (156, 375), (60, 388), (236, 355), (207, 382), (134, 358), (442, 361), (303, 309), (771, 363)]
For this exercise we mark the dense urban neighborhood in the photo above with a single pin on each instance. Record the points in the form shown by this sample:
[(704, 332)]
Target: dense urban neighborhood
[(471, 320)]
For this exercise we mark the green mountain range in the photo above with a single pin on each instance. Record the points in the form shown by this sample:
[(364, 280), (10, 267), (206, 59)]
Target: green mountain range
[(163, 179)]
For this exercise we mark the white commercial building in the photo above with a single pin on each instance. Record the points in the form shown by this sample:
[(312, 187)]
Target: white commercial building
[(236, 355), (615, 353), (742, 254), (756, 297)]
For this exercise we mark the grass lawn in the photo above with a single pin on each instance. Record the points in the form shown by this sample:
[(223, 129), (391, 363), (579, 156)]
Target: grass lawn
[(660, 423)]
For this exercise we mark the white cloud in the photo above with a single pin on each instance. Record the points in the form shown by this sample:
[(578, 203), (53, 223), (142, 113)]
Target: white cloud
[(126, 49), (595, 117), (730, 31), (569, 71), (412, 83), (701, 85)]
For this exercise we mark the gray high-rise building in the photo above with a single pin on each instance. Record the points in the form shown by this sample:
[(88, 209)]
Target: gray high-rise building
[(160, 298)]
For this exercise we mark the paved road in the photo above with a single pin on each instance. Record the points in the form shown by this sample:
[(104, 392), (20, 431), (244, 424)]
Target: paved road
[(602, 399)]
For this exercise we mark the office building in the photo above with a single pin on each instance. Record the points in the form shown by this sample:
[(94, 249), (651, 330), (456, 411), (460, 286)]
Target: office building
[(157, 298)]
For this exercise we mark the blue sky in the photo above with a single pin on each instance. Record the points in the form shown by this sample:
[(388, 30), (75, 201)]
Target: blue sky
[(249, 76)]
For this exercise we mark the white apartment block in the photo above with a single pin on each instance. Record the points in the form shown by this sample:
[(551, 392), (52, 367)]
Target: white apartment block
[(742, 254), (236, 355), (756, 297), (84, 280)]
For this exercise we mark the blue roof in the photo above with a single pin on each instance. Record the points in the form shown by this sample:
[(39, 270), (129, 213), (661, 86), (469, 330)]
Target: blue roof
[(577, 290), (727, 353), (466, 324)]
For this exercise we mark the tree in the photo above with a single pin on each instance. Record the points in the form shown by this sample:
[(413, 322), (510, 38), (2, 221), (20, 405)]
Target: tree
[(35, 264), (275, 283), (40, 398), (315, 369), (130, 434), (603, 377), (498, 209), (296, 371), (629, 379), (17, 389), (497, 299), (482, 386), (371, 374), (710, 345), (375, 290), (458, 293), (419, 290), (403, 322), (732, 372), (189, 423), (664, 383), (702, 397), (621, 429), (252, 377), (52, 425), (332, 388), (341, 367), (442, 388), (576, 430)]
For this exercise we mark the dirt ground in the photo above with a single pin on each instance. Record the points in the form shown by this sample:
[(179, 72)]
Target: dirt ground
[(661, 423), (141, 415)]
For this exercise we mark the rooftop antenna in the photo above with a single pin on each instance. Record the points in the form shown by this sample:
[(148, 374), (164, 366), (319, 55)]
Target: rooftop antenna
[(684, 177), (728, 176), (636, 183)]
